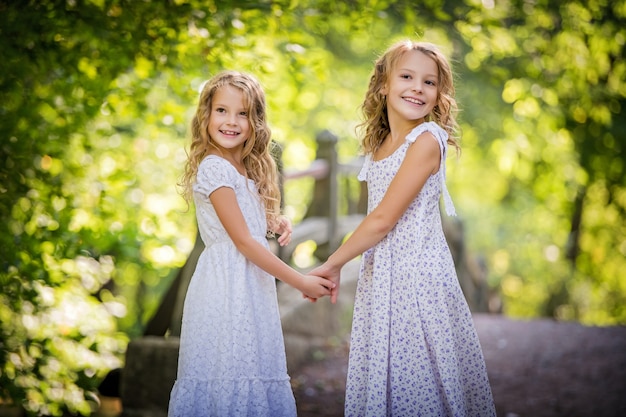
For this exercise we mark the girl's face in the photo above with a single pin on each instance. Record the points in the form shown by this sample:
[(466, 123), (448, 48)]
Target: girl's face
[(229, 127), (411, 89)]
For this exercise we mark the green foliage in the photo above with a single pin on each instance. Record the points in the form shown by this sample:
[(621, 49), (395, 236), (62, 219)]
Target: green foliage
[(97, 97), (58, 332), (558, 152)]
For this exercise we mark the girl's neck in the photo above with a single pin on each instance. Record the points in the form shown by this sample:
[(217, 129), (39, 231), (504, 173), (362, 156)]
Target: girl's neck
[(395, 138), (234, 158), (399, 129)]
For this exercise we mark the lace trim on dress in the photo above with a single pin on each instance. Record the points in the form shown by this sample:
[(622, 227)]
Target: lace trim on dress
[(241, 379)]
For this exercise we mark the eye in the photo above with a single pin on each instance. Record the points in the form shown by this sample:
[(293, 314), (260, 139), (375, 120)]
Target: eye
[(429, 82), (243, 113), (220, 109), (405, 76)]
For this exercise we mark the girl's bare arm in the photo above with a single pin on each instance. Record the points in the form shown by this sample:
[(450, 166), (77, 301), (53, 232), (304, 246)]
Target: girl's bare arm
[(421, 161), (225, 203)]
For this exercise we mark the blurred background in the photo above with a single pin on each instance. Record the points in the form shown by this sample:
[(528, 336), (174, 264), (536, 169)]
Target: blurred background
[(96, 98)]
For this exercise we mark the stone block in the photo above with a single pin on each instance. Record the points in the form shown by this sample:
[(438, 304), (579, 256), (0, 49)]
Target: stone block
[(148, 376)]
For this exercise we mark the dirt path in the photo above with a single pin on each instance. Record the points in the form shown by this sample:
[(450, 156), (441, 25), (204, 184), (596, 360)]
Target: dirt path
[(538, 368)]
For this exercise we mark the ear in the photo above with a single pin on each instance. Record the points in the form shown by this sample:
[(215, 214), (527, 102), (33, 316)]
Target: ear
[(383, 90)]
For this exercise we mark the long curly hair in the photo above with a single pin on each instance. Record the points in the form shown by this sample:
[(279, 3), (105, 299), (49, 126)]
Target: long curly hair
[(258, 161), (375, 125)]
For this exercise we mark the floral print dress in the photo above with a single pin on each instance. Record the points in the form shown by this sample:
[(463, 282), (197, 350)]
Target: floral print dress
[(414, 350)]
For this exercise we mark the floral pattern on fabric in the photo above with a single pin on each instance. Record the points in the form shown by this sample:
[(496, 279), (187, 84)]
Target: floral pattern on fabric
[(414, 350)]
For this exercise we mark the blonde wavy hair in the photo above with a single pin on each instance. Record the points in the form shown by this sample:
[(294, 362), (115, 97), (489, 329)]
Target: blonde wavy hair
[(374, 108), (257, 151)]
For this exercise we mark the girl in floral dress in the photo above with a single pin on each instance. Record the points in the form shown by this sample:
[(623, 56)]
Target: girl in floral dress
[(414, 350), (232, 355)]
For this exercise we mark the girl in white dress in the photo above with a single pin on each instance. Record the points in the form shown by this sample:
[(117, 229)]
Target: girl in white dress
[(414, 350), (232, 355)]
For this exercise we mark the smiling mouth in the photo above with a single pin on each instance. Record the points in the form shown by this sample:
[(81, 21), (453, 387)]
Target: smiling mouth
[(229, 132), (414, 101)]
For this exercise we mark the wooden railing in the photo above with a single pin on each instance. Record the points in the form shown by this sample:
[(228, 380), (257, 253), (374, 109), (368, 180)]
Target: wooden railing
[(325, 222)]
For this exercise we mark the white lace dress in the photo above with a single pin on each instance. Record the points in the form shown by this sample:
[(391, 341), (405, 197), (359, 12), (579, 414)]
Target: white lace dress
[(232, 354), (414, 350)]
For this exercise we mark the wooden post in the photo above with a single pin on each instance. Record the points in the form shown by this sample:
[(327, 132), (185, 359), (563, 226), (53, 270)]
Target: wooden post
[(325, 199), (330, 140)]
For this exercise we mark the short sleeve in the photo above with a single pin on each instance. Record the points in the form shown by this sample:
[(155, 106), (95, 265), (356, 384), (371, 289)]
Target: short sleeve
[(213, 173), (432, 127), (363, 172), (442, 138)]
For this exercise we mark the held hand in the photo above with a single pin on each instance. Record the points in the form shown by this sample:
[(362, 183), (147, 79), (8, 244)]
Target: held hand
[(314, 287), (284, 230), (331, 273), (306, 297)]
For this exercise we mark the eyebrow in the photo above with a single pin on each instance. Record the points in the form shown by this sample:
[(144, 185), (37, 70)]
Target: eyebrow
[(413, 72), (218, 104)]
